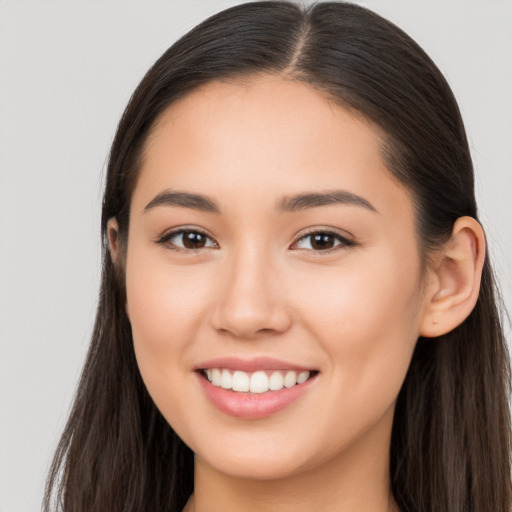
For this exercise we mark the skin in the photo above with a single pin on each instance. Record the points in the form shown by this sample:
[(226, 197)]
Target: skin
[(259, 288)]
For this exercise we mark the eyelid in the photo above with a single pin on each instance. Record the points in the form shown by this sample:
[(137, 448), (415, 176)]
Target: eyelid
[(171, 233), (345, 241)]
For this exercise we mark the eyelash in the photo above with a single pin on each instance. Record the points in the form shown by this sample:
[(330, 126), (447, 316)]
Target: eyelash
[(343, 241)]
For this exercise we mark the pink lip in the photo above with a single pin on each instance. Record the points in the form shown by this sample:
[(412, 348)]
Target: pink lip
[(252, 406), (250, 365)]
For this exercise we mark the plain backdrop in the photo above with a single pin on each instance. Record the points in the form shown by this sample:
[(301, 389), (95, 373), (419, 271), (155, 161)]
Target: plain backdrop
[(67, 70)]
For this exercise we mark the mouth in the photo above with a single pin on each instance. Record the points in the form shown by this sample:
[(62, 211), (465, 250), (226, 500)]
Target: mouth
[(253, 389), (256, 382)]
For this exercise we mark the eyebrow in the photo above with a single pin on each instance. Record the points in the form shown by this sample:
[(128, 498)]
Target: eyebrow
[(288, 204), (185, 200), (307, 200)]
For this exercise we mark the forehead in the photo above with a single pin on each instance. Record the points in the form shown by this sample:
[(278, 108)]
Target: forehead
[(270, 111), (262, 138)]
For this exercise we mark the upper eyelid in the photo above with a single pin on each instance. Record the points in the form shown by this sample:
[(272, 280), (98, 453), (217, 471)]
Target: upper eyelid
[(184, 229), (332, 231), (178, 231), (346, 241)]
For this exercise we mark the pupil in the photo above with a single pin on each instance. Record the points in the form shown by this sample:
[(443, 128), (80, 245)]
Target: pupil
[(323, 241), (193, 240)]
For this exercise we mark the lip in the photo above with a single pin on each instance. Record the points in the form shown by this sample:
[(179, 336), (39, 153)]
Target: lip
[(251, 365), (252, 406)]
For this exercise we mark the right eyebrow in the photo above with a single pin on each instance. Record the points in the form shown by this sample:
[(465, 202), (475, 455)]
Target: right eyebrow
[(184, 199)]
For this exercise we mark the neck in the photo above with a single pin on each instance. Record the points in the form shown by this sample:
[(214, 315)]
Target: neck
[(357, 479)]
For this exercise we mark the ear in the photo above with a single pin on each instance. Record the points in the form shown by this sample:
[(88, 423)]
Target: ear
[(454, 279), (113, 238)]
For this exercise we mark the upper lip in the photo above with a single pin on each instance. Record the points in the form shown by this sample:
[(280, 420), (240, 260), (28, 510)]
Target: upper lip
[(250, 365)]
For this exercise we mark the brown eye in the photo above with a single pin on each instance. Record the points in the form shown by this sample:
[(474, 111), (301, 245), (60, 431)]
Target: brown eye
[(322, 241), (187, 239), (193, 239)]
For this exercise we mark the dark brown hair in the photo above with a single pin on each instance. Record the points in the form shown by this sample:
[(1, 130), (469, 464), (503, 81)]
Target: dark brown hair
[(450, 448)]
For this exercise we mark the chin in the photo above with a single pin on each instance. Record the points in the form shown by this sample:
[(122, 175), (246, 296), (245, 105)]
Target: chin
[(258, 461), (275, 468)]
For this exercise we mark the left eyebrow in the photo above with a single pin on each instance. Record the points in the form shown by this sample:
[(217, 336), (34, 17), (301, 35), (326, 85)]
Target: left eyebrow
[(304, 201)]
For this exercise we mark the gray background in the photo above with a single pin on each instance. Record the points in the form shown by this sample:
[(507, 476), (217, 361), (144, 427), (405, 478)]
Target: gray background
[(67, 70)]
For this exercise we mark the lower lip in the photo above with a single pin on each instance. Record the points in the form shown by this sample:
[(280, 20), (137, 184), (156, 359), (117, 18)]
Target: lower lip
[(252, 406)]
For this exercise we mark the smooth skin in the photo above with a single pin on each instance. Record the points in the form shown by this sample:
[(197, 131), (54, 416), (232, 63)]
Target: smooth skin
[(256, 284)]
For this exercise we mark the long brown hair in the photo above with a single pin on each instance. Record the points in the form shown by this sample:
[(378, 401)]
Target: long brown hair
[(450, 448)]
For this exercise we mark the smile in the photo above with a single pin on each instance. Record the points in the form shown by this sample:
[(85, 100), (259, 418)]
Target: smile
[(254, 393), (256, 382)]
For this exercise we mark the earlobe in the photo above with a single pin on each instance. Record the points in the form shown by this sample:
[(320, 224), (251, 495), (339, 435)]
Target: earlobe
[(113, 238), (454, 279)]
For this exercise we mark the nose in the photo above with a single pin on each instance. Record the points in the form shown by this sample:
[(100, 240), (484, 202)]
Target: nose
[(252, 302)]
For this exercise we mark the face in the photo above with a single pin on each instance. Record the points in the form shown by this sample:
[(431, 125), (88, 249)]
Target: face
[(269, 245)]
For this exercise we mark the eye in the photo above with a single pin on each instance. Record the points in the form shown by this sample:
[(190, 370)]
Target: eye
[(184, 240), (322, 241)]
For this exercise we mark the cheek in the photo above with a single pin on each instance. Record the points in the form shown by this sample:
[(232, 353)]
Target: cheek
[(162, 301), (366, 317), (165, 310), (378, 294)]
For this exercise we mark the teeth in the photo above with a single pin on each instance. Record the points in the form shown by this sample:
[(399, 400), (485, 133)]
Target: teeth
[(216, 376), (257, 382), (302, 377), (290, 379), (226, 381), (240, 381), (276, 381)]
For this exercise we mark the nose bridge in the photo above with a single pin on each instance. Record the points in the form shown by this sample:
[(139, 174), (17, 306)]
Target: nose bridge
[(251, 302)]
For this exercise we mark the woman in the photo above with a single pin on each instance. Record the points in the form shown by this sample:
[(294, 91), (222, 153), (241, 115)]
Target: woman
[(297, 311)]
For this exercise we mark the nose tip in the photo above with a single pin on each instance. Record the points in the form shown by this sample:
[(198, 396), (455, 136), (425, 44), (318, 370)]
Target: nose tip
[(251, 322), (251, 305)]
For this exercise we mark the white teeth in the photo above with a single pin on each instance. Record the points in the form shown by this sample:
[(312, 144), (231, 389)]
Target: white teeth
[(257, 382), (216, 376), (276, 381), (302, 377), (226, 381), (290, 379), (240, 381)]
